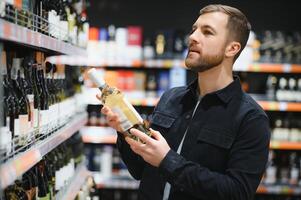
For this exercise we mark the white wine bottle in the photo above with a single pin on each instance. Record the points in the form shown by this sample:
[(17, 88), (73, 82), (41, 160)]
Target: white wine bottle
[(115, 100)]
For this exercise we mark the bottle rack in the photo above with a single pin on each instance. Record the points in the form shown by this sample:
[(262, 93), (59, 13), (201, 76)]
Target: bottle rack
[(32, 35), (168, 63), (20, 162)]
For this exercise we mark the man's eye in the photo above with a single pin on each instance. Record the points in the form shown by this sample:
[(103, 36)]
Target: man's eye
[(208, 33)]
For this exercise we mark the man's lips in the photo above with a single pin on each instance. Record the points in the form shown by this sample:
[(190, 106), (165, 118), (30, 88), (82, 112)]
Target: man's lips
[(193, 51)]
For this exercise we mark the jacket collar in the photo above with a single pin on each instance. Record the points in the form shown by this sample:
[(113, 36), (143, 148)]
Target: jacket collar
[(225, 94)]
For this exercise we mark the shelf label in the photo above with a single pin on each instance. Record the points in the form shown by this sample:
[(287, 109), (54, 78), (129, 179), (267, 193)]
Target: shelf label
[(272, 106), (282, 106), (167, 63), (255, 67), (287, 68)]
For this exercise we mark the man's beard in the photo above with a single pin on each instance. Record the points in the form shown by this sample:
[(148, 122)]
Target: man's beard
[(204, 63)]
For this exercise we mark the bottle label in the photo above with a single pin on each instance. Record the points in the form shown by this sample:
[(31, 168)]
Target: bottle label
[(16, 127), (294, 175), (133, 111), (44, 119), (23, 125), (35, 118), (125, 124), (270, 175)]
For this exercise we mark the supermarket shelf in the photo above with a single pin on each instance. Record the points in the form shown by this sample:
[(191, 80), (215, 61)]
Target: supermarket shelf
[(115, 182), (274, 68), (141, 100), (280, 106), (93, 62), (81, 175), (16, 166), (15, 33), (98, 135), (285, 145), (279, 189), (168, 63)]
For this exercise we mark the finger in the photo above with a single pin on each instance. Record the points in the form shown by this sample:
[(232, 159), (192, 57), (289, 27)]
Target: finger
[(136, 146), (98, 96), (112, 118), (105, 110), (141, 135), (155, 134)]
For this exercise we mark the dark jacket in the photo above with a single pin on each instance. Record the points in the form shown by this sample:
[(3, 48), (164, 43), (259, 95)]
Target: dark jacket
[(224, 152)]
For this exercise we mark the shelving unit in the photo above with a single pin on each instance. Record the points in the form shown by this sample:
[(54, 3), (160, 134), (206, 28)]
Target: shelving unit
[(266, 105), (168, 63), (22, 35), (279, 189), (280, 106), (19, 164), (285, 145)]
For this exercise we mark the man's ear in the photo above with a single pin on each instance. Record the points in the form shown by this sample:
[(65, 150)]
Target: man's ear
[(232, 49)]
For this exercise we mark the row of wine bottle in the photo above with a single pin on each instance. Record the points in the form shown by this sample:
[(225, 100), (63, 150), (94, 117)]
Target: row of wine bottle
[(36, 95), (65, 20), (52, 174), (284, 89), (283, 168)]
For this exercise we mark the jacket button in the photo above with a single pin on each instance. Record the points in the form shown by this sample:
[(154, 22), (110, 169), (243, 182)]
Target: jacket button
[(187, 116)]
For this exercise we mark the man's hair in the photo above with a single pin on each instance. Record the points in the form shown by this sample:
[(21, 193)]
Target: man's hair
[(238, 24)]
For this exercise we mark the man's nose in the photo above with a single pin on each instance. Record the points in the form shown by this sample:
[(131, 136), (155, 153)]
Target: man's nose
[(194, 37)]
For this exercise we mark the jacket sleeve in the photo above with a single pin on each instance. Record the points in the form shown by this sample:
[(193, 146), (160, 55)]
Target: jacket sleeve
[(134, 162), (246, 165)]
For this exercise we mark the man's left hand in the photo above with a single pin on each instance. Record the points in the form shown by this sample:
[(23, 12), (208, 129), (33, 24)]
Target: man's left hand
[(153, 150)]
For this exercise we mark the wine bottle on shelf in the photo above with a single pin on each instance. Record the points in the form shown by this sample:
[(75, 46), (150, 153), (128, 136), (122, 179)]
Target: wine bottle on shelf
[(28, 87), (284, 168), (14, 100), (43, 191), (43, 120), (294, 168), (5, 132), (22, 101), (271, 171), (37, 100), (114, 99)]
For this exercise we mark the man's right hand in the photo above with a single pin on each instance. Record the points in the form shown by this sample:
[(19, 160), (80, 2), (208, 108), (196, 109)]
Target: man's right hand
[(112, 118)]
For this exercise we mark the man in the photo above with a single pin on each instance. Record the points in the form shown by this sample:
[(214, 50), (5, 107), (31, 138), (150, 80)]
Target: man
[(210, 139)]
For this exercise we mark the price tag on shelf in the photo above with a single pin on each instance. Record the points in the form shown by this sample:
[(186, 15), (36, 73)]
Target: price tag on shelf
[(272, 106), (282, 106), (167, 63), (255, 67), (287, 68), (19, 33)]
